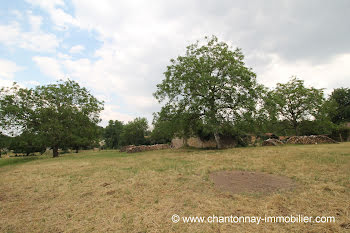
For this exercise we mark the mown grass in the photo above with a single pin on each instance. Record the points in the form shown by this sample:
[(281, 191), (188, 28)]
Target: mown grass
[(16, 160), (109, 191)]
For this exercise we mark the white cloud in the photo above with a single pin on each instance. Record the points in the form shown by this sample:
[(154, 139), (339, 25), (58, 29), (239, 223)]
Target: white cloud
[(49, 66), (17, 14), (35, 21), (111, 112), (145, 104), (32, 83), (46, 4), (36, 40), (59, 17), (335, 73), (7, 72), (5, 83), (63, 56), (8, 69), (77, 49)]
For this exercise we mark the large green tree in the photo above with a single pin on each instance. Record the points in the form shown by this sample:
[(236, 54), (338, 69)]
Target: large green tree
[(62, 114), (210, 83), (296, 103)]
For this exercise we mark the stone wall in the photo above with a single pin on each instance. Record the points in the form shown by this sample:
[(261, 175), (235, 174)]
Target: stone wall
[(193, 142), (134, 149), (177, 143), (198, 143)]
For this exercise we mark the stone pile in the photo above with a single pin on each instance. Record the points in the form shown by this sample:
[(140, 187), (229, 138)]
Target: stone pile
[(313, 139), (272, 142), (134, 149), (125, 148)]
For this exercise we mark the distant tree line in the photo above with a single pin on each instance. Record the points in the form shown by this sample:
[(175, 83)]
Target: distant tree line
[(117, 134)]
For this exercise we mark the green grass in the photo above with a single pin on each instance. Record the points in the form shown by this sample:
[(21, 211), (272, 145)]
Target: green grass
[(17, 160)]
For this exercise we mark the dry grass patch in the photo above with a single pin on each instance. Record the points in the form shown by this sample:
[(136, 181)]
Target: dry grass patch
[(110, 191)]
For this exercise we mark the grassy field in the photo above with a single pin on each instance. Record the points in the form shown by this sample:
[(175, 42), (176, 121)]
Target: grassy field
[(109, 191)]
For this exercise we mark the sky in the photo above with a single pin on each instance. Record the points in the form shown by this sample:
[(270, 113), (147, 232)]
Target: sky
[(119, 49)]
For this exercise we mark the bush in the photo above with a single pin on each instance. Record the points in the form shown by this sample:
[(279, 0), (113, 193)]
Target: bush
[(341, 133)]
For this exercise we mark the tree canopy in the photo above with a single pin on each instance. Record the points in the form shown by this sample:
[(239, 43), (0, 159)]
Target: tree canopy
[(340, 99), (112, 134), (62, 114), (4, 142), (211, 83), (296, 103), (134, 132)]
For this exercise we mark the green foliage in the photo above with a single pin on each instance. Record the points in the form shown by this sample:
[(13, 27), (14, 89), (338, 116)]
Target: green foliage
[(341, 133), (163, 130), (340, 99), (27, 143), (18, 160), (63, 114), (171, 122), (316, 127), (112, 134), (134, 132), (295, 103), (4, 143), (210, 83)]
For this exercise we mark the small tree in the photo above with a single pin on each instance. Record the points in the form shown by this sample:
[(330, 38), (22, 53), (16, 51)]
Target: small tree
[(340, 99), (112, 134), (295, 103), (62, 114), (210, 83), (171, 122), (134, 132)]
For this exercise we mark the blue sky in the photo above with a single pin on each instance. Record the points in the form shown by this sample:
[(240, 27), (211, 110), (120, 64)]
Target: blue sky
[(120, 49)]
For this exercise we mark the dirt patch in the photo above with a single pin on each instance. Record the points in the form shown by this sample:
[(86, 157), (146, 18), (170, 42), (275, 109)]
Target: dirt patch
[(86, 194), (105, 184), (111, 192), (345, 225), (248, 182)]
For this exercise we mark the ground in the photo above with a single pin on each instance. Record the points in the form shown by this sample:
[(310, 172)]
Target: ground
[(239, 182), (109, 191)]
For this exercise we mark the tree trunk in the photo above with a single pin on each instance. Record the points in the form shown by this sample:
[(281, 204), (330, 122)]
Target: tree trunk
[(340, 137), (55, 151), (296, 128), (77, 150), (185, 143), (218, 140)]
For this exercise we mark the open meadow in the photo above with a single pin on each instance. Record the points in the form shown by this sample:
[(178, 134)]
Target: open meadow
[(109, 191)]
